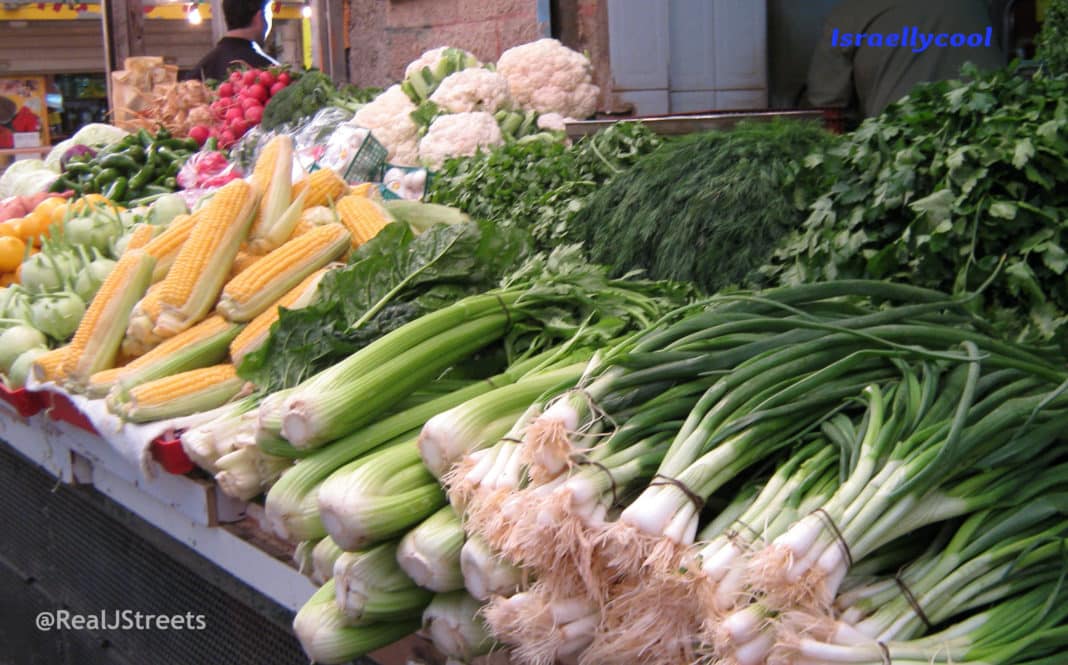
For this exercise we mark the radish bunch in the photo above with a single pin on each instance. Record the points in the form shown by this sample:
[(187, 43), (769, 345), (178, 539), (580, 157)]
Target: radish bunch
[(239, 104)]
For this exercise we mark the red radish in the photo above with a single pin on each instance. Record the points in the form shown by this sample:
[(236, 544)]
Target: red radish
[(199, 133), (247, 102), (226, 90), (266, 79), (249, 78), (235, 77), (277, 88), (259, 92), (226, 137), (239, 127), (254, 114), (283, 78), (234, 113)]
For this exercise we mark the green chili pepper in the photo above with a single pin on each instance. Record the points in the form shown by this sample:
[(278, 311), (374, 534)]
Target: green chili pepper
[(105, 178), (169, 155), (120, 161), (117, 189), (156, 189), (170, 183), (144, 138), (142, 177), (78, 168)]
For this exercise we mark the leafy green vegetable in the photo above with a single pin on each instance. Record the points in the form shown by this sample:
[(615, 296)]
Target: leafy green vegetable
[(706, 208), (313, 91), (957, 185), (1053, 38), (539, 185), (395, 278)]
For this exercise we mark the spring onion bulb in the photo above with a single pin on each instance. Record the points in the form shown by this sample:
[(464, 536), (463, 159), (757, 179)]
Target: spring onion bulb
[(486, 574)]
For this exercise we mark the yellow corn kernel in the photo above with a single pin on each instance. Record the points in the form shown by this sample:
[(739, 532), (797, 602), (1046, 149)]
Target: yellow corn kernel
[(49, 366), (272, 177), (100, 331), (362, 217), (253, 291), (302, 227), (243, 260), (323, 187), (361, 189), (255, 333), (193, 391), (264, 168), (193, 283), (101, 382), (165, 247), (141, 235)]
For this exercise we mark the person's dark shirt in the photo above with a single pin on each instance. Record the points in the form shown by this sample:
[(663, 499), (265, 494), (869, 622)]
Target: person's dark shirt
[(229, 50)]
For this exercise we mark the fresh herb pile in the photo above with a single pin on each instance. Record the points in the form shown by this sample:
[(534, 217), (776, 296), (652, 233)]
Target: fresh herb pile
[(958, 186), (706, 208), (1053, 39), (539, 185), (391, 280)]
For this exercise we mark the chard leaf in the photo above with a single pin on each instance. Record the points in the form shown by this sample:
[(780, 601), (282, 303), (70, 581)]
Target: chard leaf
[(1023, 153), (1003, 210)]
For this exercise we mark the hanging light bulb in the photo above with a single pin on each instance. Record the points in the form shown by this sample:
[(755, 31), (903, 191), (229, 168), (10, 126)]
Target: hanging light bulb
[(306, 11), (194, 14)]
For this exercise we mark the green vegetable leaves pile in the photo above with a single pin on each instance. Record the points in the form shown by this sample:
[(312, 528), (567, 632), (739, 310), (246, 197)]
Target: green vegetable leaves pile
[(540, 184), (391, 280), (957, 185), (706, 208)]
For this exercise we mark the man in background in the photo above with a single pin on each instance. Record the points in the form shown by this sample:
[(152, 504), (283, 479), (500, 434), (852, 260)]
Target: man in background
[(248, 22), (866, 79)]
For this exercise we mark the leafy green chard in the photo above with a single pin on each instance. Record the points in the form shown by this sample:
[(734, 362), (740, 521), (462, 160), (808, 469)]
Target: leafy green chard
[(540, 185), (957, 185), (391, 280)]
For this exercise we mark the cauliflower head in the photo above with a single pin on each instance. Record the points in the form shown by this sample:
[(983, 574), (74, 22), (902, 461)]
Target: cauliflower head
[(458, 134), (431, 59), (548, 77), (552, 122), (475, 89), (388, 116)]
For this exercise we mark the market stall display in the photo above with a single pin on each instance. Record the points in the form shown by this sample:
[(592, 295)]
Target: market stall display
[(835, 435)]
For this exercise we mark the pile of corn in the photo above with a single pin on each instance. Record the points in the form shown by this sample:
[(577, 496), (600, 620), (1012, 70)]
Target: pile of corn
[(162, 337)]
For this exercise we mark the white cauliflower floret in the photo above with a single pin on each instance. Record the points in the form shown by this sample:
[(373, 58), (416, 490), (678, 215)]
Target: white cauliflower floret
[(388, 116), (430, 59), (552, 122), (548, 77), (475, 89), (458, 134)]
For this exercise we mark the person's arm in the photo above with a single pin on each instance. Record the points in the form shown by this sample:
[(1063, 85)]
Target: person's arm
[(830, 74)]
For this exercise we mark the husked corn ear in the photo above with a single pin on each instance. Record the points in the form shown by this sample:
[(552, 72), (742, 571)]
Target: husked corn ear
[(321, 188), (361, 189), (362, 217), (255, 289), (164, 247), (100, 332), (177, 395), (139, 337), (49, 366), (142, 234), (192, 285), (273, 178), (204, 344), (301, 228), (243, 260), (255, 333), (271, 237)]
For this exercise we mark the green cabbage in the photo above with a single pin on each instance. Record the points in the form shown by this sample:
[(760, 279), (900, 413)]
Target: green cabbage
[(94, 135), (26, 177)]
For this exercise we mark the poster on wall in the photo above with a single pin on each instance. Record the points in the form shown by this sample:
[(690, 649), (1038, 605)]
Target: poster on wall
[(23, 112)]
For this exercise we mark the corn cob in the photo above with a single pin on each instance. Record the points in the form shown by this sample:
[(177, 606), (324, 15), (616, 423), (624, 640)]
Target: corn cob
[(192, 286), (139, 337), (100, 332), (362, 217), (255, 289), (204, 344), (302, 227), (273, 178), (49, 366), (312, 217), (177, 395), (165, 247), (361, 189), (323, 187), (142, 234), (243, 260), (272, 237), (256, 332)]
